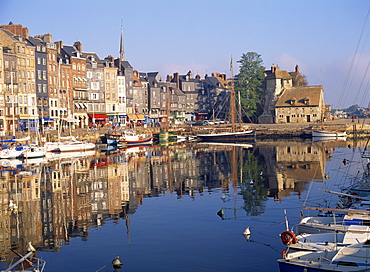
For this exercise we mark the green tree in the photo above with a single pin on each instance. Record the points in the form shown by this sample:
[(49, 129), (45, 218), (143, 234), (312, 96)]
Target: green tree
[(249, 83)]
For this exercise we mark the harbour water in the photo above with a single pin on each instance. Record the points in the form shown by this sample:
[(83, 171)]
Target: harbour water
[(171, 208)]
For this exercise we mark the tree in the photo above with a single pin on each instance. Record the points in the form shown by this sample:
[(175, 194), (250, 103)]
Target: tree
[(299, 80), (249, 83)]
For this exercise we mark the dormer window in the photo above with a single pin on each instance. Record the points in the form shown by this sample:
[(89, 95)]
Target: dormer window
[(306, 101), (292, 101)]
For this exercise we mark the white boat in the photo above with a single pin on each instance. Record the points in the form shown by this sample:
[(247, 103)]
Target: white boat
[(329, 252), (69, 146), (358, 214), (12, 152), (129, 137), (328, 133), (33, 151)]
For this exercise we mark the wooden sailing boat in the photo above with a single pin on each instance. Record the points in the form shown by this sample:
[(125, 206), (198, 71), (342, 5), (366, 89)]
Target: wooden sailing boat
[(327, 133), (234, 135)]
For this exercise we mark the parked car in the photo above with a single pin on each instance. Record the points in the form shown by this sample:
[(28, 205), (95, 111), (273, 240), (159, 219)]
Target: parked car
[(209, 122), (199, 123)]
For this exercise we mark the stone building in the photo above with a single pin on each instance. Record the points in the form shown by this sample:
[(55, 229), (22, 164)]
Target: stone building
[(284, 103), (300, 105)]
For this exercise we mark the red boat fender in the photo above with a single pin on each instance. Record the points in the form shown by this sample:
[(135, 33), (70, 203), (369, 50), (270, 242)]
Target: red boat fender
[(288, 237)]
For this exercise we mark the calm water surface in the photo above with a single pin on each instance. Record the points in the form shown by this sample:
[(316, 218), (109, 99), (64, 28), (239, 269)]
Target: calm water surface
[(176, 208)]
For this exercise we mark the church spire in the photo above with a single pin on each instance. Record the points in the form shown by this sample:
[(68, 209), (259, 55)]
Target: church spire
[(121, 47)]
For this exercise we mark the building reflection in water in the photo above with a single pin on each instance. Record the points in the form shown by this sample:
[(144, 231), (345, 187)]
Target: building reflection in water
[(50, 202)]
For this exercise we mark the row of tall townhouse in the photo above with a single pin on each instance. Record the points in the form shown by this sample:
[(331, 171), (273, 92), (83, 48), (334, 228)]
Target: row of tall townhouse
[(45, 83)]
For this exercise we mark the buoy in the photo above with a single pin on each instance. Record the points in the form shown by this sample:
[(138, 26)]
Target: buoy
[(221, 213), (247, 231), (117, 263)]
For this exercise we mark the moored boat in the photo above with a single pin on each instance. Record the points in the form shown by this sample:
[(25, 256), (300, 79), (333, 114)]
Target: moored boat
[(328, 252), (69, 146), (129, 137), (328, 133)]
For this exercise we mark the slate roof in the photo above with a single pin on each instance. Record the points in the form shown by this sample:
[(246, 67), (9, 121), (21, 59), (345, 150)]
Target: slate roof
[(300, 94), (71, 51), (214, 81)]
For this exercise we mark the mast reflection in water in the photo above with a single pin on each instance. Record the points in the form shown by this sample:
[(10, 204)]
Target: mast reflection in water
[(156, 207)]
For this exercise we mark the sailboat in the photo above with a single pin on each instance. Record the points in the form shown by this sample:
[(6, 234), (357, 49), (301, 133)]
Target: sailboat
[(68, 144), (234, 135)]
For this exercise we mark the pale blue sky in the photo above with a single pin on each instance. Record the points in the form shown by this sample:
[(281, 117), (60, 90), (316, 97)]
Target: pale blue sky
[(200, 35)]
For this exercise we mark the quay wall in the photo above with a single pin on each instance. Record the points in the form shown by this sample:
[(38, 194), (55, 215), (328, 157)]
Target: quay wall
[(358, 128)]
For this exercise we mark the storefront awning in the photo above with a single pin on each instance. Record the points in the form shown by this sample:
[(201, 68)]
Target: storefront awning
[(134, 116), (48, 119), (98, 116)]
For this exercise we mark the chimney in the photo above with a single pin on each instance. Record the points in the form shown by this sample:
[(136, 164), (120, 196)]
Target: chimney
[(48, 38), (273, 67), (177, 79), (169, 78), (16, 29), (59, 45), (297, 69), (190, 75), (78, 45)]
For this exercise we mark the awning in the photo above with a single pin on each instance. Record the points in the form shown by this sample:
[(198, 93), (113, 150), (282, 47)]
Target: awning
[(70, 119), (48, 119), (135, 116), (98, 116)]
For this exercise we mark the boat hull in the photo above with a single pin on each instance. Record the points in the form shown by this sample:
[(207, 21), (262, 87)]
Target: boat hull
[(286, 266), (325, 133), (111, 138), (247, 135), (144, 141)]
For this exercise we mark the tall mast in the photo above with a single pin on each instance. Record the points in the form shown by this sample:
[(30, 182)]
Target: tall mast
[(232, 97), (13, 96), (167, 106)]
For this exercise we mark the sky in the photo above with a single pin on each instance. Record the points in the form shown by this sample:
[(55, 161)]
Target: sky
[(329, 40)]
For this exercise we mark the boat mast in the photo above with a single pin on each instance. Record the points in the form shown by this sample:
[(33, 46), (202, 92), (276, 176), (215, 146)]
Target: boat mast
[(167, 107), (13, 96), (232, 97)]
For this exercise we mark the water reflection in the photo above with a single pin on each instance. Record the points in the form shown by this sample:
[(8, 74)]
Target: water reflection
[(49, 202)]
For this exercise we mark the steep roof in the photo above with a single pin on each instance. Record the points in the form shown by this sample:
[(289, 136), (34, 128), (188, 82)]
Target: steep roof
[(276, 73), (312, 94)]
